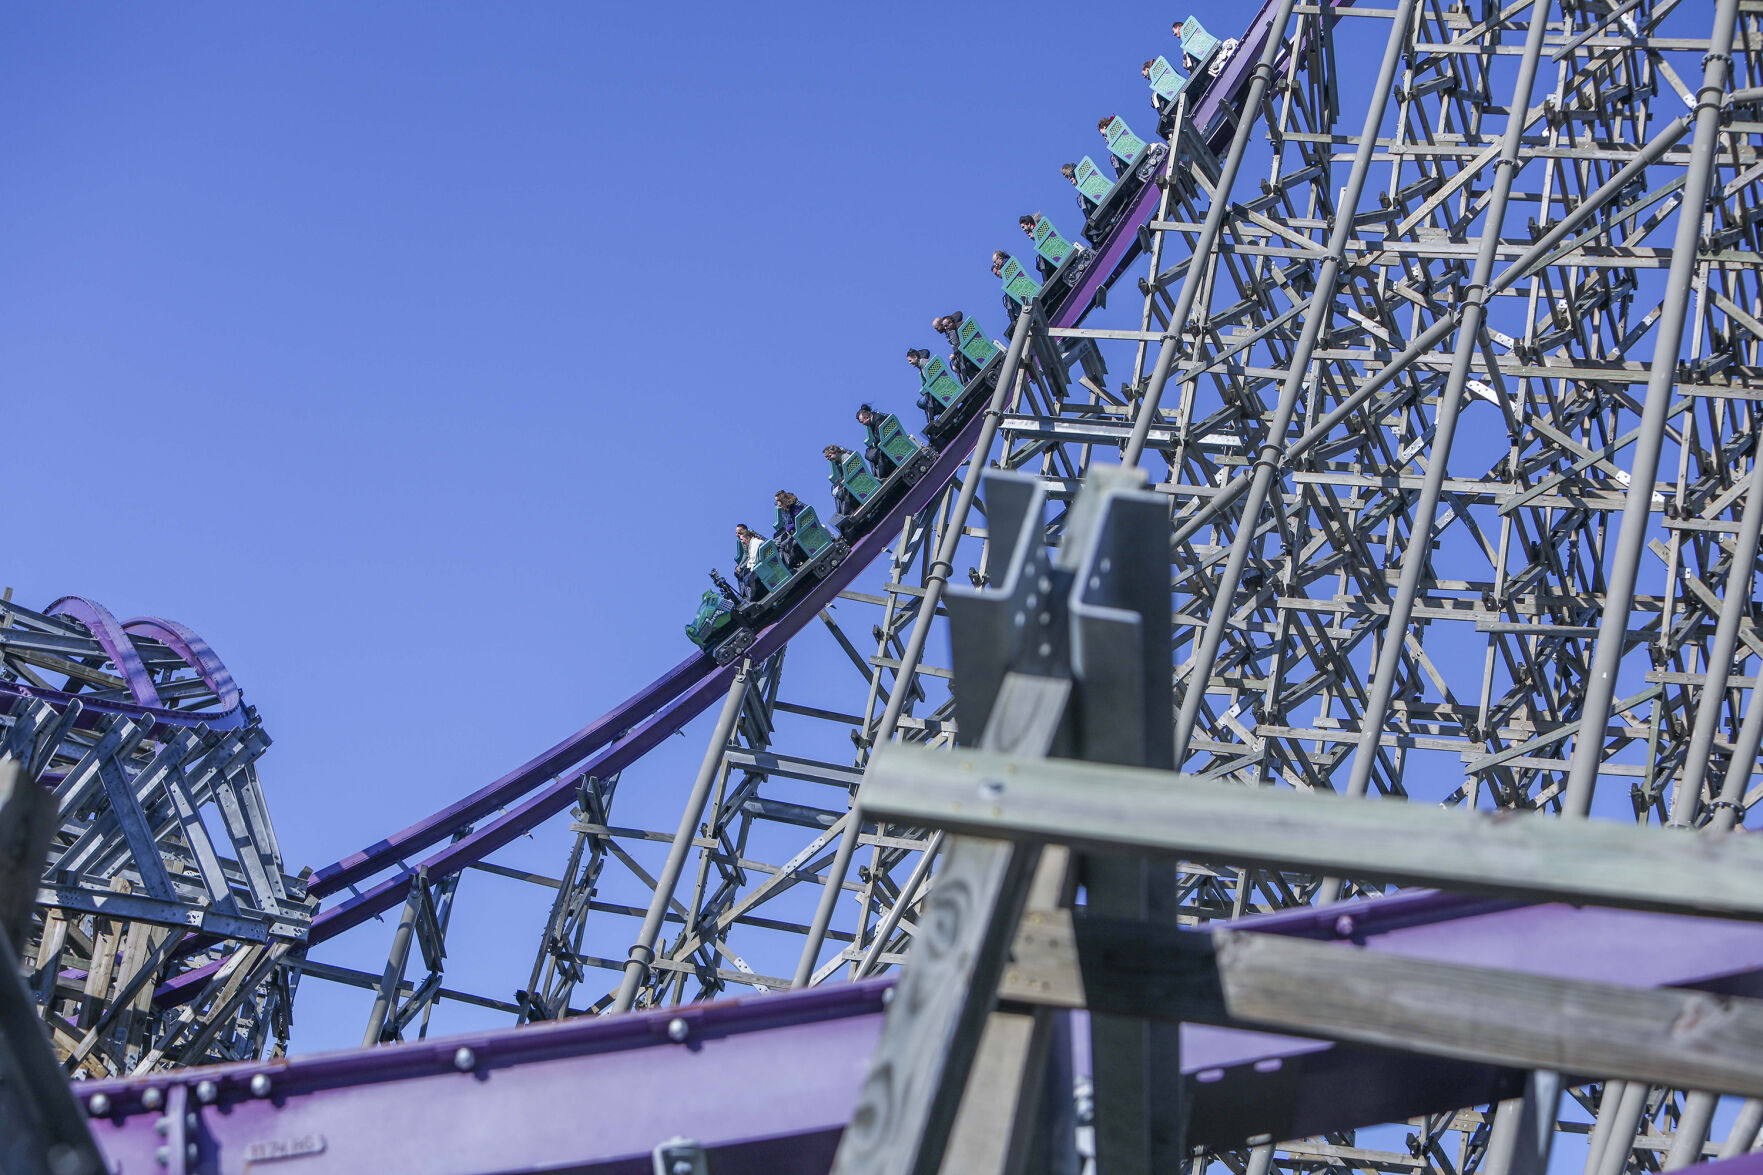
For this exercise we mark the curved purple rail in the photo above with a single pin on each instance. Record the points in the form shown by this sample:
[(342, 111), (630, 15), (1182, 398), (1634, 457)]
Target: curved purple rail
[(195, 652), (516, 783), (95, 707), (108, 631), (642, 722)]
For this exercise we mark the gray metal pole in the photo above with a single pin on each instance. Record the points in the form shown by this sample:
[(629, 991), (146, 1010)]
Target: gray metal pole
[(396, 961), (1738, 770), (1692, 1131), (642, 952), (1631, 539), (1733, 606), (1743, 1134), (1267, 462), (1192, 280), (935, 582), (1625, 1120), (1417, 557)]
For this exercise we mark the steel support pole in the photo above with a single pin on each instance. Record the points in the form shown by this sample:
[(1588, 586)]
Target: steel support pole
[(889, 923), (396, 960), (1625, 1120), (935, 581), (1631, 539), (1267, 461), (642, 952), (1733, 606), (1418, 556), (1738, 772), (1203, 247), (1260, 1160), (1692, 1131), (1743, 1135)]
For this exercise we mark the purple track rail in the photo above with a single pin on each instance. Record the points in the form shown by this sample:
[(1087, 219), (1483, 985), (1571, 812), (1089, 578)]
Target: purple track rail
[(678, 696), (768, 1082), (114, 638), (549, 782)]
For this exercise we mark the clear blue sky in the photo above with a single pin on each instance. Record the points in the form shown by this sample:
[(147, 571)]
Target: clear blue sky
[(422, 356)]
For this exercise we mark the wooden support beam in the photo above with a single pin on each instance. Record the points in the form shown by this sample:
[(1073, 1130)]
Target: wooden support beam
[(1160, 814), (1336, 991)]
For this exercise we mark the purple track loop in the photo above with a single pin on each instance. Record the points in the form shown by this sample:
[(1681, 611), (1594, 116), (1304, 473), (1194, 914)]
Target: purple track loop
[(195, 652), (667, 704), (113, 640)]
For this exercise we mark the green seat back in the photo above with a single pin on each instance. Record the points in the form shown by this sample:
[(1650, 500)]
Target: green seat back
[(770, 569), (1018, 283), (940, 382), (1092, 181), (856, 477), (894, 441), (1048, 242), (1166, 80), (974, 343), (812, 537), (713, 616), (1197, 43), (1122, 143)]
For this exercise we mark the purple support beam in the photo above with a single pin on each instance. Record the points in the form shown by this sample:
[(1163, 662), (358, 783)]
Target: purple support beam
[(769, 1080), (766, 1083)]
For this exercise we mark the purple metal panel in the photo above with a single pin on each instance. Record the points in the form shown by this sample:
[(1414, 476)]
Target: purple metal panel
[(195, 652), (1746, 1164), (766, 1082), (770, 1078), (113, 640)]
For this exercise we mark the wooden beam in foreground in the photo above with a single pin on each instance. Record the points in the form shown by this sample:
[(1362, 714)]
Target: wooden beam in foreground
[(1160, 814), (1239, 979)]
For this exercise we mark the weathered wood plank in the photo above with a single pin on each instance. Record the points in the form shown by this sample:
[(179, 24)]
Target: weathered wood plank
[(1160, 814), (1686, 1039), (1237, 979), (947, 989), (27, 821)]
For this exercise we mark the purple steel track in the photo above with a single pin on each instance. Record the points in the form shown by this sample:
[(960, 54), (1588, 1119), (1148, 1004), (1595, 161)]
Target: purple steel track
[(637, 725), (194, 650), (768, 1081), (113, 640)]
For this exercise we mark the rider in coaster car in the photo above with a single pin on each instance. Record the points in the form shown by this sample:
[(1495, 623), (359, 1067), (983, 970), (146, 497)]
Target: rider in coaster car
[(878, 460), (1119, 167), (1085, 205), (918, 357), (789, 508), (1028, 220), (747, 546), (844, 501), (949, 326), (999, 260)]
